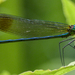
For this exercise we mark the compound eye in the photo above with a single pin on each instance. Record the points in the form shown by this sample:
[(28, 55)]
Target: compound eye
[(72, 26)]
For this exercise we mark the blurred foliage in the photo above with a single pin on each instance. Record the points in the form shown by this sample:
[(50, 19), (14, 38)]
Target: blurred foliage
[(30, 55), (5, 73), (69, 9), (2, 1)]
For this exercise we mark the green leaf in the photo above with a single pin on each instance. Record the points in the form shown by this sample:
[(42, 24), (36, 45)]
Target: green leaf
[(69, 11), (59, 71)]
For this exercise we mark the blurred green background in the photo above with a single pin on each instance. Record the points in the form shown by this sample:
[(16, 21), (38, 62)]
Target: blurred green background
[(30, 55)]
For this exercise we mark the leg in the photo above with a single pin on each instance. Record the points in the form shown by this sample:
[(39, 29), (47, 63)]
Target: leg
[(62, 53), (63, 62), (71, 45)]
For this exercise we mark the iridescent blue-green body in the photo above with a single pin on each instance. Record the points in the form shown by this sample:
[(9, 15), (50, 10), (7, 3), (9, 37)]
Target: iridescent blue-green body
[(33, 29)]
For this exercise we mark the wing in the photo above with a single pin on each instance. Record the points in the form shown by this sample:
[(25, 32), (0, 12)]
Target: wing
[(30, 28)]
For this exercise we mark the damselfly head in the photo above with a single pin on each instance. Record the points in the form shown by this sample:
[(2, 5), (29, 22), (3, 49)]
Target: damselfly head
[(71, 29)]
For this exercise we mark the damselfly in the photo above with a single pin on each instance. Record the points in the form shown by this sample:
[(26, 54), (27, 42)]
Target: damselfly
[(35, 30)]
